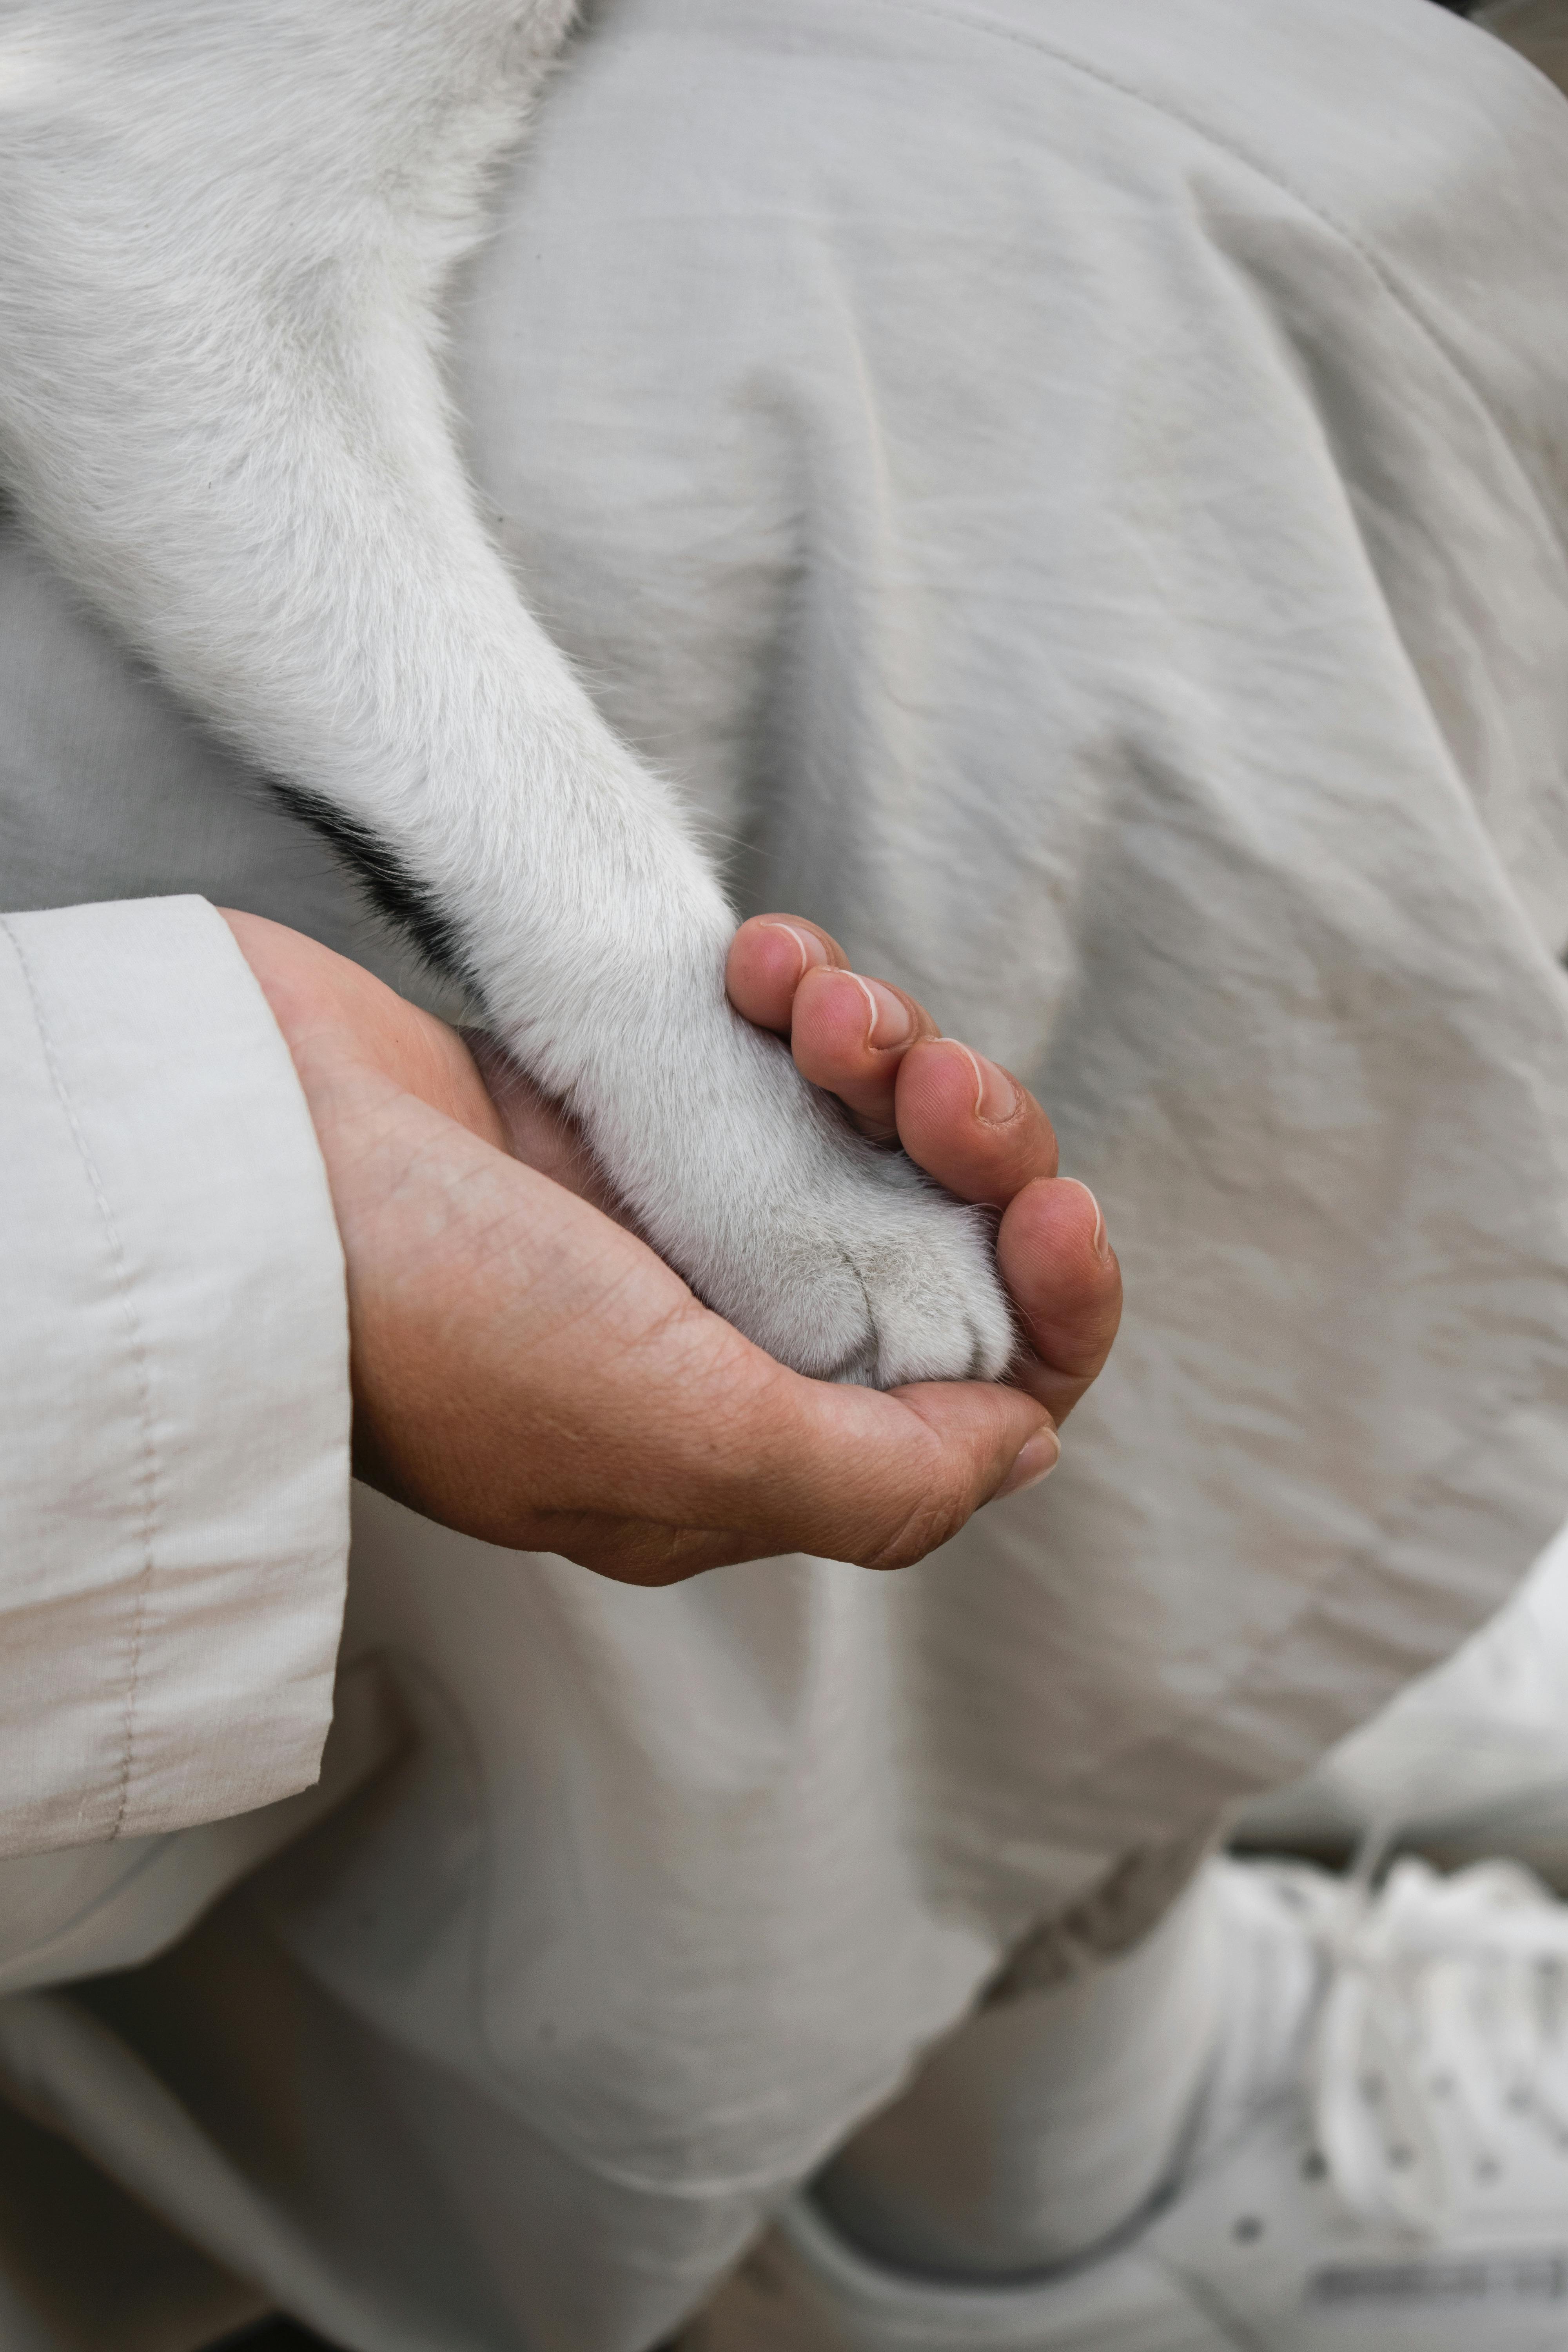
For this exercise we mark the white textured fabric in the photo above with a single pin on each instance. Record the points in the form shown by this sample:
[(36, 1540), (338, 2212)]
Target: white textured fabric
[(1471, 1758), (1079, 497), (174, 1393), (1049, 2121)]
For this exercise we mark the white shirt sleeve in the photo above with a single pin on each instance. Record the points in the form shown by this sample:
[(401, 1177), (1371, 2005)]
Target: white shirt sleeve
[(173, 1384)]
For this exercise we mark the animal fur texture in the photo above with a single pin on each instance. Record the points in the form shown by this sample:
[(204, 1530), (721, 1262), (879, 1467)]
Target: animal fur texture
[(226, 226)]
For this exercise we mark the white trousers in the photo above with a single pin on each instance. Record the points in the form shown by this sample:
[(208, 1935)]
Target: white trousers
[(1079, 497)]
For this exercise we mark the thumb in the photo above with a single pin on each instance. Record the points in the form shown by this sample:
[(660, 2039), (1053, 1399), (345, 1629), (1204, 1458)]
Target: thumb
[(849, 1474)]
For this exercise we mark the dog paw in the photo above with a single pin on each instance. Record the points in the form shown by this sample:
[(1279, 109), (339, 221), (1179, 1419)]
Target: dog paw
[(839, 1258), (880, 1279)]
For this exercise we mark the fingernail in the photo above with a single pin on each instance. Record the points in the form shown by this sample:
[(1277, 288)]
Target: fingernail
[(811, 950), (1100, 1242), (1036, 1459), (995, 1094), (890, 1019)]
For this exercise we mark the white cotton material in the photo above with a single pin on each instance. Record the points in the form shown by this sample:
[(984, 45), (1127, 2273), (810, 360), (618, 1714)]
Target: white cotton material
[(224, 233), (1471, 1758), (1049, 2121), (174, 1387)]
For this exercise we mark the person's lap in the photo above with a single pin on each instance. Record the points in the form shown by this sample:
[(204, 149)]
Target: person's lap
[(975, 480)]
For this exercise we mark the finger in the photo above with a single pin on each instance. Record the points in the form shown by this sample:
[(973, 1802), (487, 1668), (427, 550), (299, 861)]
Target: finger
[(970, 1124), (885, 1498), (850, 1033), (1054, 1255), (769, 957)]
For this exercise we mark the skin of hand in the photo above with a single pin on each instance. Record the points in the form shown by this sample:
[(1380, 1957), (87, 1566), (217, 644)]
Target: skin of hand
[(525, 1369)]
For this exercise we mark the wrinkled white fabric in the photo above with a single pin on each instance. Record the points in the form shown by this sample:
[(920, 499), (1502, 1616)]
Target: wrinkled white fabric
[(1471, 1758), (1080, 498), (174, 1517)]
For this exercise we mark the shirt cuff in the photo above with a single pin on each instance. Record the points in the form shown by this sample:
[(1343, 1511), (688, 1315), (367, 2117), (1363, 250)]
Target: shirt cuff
[(173, 1384)]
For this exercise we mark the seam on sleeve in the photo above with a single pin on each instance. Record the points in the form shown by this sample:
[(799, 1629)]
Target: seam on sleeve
[(149, 1476)]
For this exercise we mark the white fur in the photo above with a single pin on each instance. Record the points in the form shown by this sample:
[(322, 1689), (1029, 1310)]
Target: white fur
[(224, 226)]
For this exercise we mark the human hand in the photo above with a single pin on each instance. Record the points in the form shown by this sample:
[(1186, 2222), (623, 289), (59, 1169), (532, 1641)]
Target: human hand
[(964, 1120), (528, 1371)]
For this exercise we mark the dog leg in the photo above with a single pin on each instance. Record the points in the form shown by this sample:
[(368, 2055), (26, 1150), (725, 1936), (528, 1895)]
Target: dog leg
[(223, 228)]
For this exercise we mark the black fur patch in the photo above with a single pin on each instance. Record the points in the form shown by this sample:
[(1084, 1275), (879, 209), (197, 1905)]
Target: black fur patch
[(393, 887)]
